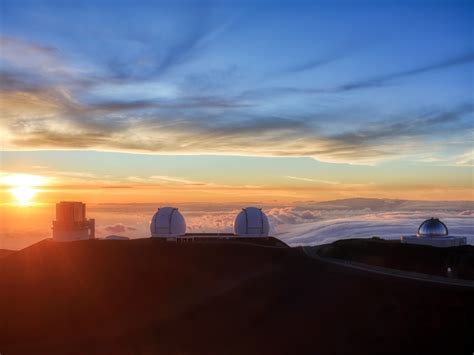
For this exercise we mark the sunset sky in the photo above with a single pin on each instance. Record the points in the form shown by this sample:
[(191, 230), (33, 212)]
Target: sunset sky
[(228, 101)]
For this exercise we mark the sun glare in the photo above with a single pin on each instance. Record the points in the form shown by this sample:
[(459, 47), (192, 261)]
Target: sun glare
[(23, 187), (23, 194)]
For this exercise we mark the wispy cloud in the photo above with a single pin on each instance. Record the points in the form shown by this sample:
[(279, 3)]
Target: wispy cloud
[(185, 182), (19, 52), (264, 136), (380, 80), (377, 81), (300, 178), (47, 104), (159, 54), (422, 124), (175, 180), (465, 159), (305, 179)]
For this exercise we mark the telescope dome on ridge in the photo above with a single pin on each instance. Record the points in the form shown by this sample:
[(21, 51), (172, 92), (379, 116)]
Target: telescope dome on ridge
[(167, 222), (251, 221), (435, 233), (432, 227)]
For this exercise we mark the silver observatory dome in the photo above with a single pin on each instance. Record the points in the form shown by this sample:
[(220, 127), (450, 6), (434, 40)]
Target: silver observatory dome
[(432, 227), (167, 222), (251, 221)]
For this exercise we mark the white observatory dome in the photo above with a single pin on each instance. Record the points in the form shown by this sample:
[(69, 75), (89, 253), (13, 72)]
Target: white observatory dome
[(251, 221), (432, 227), (167, 222)]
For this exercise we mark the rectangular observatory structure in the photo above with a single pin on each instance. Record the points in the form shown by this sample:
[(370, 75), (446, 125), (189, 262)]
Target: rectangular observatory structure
[(71, 222)]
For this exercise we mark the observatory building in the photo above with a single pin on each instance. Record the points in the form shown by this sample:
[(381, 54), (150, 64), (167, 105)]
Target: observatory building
[(251, 222), (250, 227), (167, 222), (71, 223), (435, 233)]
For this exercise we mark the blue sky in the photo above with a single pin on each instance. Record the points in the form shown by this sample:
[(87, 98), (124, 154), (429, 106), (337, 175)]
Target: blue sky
[(342, 91)]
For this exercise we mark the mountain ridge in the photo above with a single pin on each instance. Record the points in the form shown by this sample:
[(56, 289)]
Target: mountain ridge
[(146, 296)]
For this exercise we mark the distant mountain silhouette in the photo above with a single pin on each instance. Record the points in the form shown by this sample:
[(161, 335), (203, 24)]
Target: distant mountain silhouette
[(376, 204), (148, 297)]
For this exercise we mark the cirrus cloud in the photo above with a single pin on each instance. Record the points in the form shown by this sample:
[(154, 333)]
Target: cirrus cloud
[(49, 102)]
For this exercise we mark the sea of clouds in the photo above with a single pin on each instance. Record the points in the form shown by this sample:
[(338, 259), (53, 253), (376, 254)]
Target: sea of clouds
[(387, 225), (305, 223)]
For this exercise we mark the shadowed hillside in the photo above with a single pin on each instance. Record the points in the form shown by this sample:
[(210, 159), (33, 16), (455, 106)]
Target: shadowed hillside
[(395, 255), (147, 297), (5, 252)]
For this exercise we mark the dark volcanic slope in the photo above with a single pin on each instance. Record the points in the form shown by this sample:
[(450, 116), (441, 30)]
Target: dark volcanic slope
[(145, 297), (5, 252), (395, 255)]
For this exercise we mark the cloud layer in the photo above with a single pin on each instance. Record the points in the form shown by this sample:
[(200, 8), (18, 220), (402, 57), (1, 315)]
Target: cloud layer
[(389, 225), (49, 101), (300, 224)]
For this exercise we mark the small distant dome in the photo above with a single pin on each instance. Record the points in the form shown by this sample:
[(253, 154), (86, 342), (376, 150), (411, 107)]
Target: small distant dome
[(432, 227), (251, 221), (166, 222)]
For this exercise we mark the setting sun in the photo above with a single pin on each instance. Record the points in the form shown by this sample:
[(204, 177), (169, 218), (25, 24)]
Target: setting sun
[(23, 194), (23, 186)]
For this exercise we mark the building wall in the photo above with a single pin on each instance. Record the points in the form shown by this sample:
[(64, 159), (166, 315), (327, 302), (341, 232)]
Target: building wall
[(70, 235), (78, 231)]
